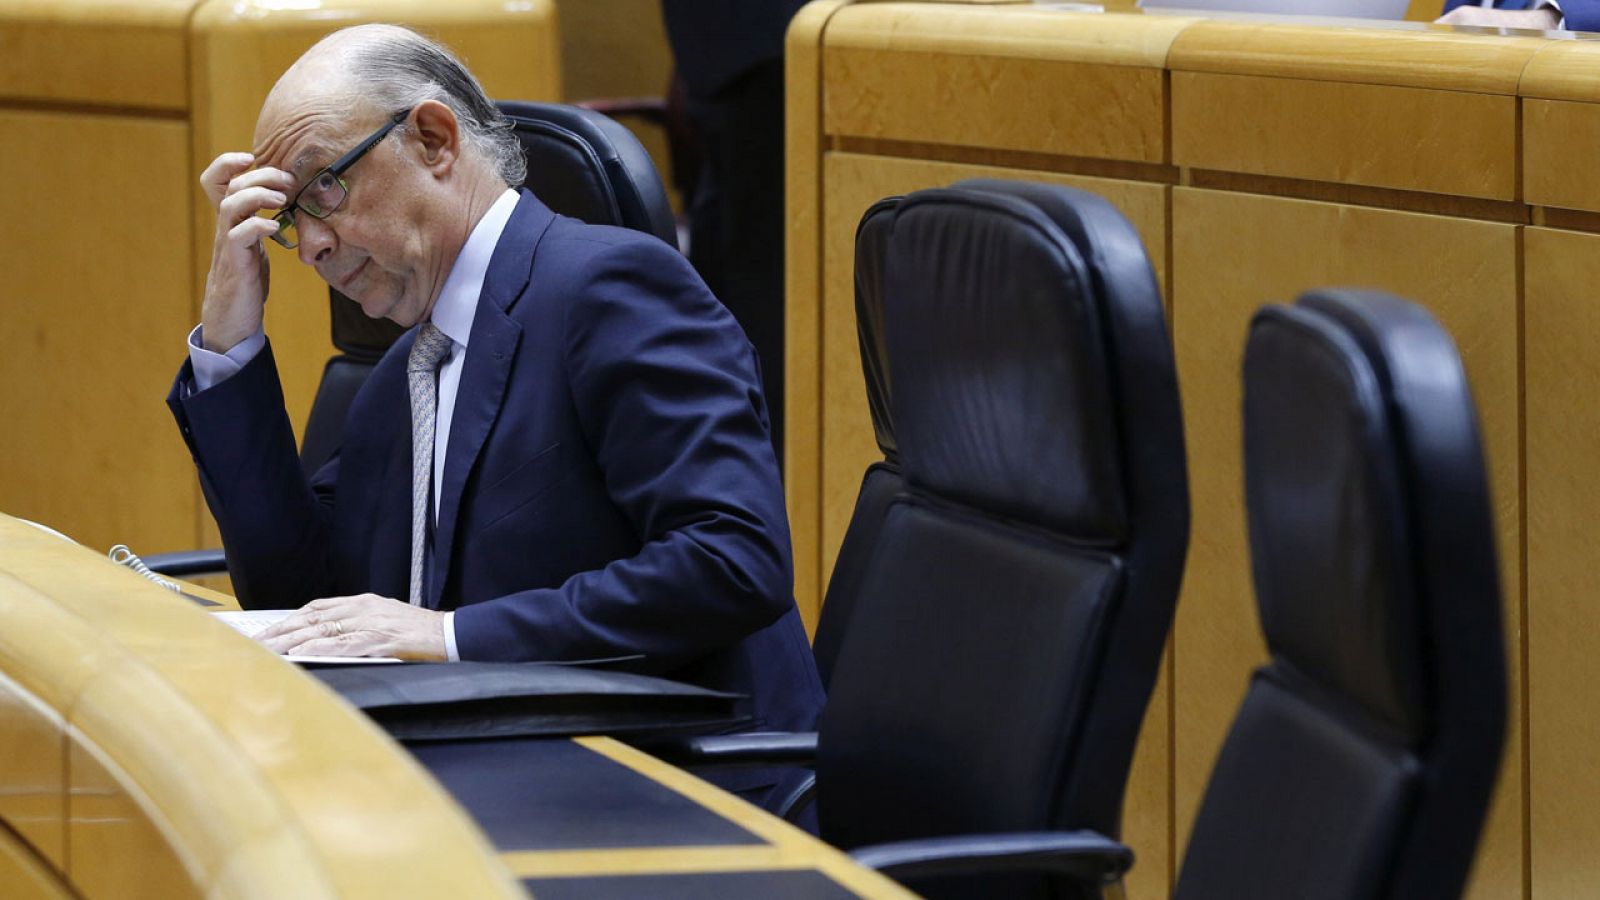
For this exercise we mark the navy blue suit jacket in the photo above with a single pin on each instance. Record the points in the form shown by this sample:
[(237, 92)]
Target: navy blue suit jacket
[(1581, 15), (609, 487)]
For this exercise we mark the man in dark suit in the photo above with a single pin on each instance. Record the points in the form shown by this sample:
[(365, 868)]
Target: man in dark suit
[(566, 458), (1542, 15)]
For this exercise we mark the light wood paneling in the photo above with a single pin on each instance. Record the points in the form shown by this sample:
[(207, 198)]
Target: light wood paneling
[(1233, 253), (1563, 70), (1563, 444), (1028, 80), (1076, 109), (23, 876), (96, 307), (33, 775), (1559, 138), (1366, 52), (127, 53), (117, 849), (1447, 142)]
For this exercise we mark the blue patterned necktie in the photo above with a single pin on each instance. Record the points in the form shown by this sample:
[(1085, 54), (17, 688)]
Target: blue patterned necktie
[(422, 374)]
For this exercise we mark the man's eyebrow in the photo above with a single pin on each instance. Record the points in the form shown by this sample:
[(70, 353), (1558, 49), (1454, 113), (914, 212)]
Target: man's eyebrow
[(303, 164)]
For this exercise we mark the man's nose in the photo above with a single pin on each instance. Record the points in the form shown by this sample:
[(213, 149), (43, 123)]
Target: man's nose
[(317, 240)]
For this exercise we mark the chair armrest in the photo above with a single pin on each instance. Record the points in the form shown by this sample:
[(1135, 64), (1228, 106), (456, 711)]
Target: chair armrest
[(187, 562), (792, 805), (758, 748), (1087, 856)]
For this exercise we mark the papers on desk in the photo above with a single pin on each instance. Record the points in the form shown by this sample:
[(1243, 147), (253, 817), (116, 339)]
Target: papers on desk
[(251, 622)]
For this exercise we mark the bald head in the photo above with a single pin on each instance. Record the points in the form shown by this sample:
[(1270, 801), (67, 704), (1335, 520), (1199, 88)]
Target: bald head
[(379, 70)]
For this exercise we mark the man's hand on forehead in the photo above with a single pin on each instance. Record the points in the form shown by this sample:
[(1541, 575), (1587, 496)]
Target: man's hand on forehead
[(231, 173)]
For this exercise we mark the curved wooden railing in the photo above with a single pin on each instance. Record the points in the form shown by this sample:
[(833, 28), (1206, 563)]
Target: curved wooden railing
[(147, 750)]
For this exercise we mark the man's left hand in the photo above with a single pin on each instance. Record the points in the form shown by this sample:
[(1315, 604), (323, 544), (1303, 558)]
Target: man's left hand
[(363, 625)]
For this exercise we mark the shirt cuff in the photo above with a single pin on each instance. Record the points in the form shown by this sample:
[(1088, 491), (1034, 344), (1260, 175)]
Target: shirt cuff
[(211, 368), (448, 623)]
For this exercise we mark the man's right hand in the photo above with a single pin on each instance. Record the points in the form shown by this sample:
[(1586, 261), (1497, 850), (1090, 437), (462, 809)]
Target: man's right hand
[(236, 287)]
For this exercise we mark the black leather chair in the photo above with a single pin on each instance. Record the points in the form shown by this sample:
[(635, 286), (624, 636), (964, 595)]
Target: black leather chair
[(1362, 760), (991, 679), (580, 164)]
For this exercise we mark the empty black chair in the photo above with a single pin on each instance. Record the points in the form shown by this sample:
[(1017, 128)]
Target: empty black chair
[(1011, 622), (580, 164), (994, 669), (1362, 760)]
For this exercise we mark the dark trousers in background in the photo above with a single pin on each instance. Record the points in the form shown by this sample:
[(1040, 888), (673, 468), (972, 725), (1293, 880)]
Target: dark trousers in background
[(736, 223)]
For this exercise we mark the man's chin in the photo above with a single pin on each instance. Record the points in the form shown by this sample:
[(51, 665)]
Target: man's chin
[(382, 308)]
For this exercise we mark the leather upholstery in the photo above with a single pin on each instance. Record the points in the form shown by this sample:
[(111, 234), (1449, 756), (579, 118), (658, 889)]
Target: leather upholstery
[(1362, 760), (1012, 613), (341, 378), (580, 164), (588, 166), (872, 246), (882, 480)]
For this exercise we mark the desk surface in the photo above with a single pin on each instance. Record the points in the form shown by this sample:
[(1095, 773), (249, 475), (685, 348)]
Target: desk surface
[(591, 817)]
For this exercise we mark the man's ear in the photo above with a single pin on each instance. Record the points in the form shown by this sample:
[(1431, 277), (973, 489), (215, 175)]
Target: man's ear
[(438, 136)]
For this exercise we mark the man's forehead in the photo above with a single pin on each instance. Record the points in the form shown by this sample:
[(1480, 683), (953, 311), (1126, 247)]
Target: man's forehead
[(299, 147), (301, 128)]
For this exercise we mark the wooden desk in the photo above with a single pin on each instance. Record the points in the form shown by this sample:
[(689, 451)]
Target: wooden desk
[(109, 109), (146, 751), (600, 819), (1258, 159)]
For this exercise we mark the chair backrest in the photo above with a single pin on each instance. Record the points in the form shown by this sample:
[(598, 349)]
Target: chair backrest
[(882, 480), (580, 164), (1362, 760), (1011, 620)]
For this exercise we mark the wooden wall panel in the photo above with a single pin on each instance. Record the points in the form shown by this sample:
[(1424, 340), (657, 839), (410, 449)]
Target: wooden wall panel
[(1055, 106), (116, 848), (33, 776), (1233, 253), (23, 876), (1563, 446), (1558, 139), (97, 303), (1447, 142), (103, 53)]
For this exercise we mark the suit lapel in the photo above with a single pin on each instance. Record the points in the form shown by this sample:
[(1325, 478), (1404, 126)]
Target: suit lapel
[(491, 350)]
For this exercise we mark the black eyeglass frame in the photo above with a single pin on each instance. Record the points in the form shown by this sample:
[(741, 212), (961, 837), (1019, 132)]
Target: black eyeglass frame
[(285, 217)]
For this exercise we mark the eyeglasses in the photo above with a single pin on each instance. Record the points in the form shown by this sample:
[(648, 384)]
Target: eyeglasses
[(322, 196)]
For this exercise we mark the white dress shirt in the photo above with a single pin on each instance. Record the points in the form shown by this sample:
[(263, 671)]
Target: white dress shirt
[(453, 313)]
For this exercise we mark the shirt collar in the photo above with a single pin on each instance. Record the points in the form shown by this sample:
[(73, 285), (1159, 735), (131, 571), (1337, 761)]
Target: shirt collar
[(458, 299)]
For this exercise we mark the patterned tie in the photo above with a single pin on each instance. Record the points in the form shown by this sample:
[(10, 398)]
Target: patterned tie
[(422, 373)]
